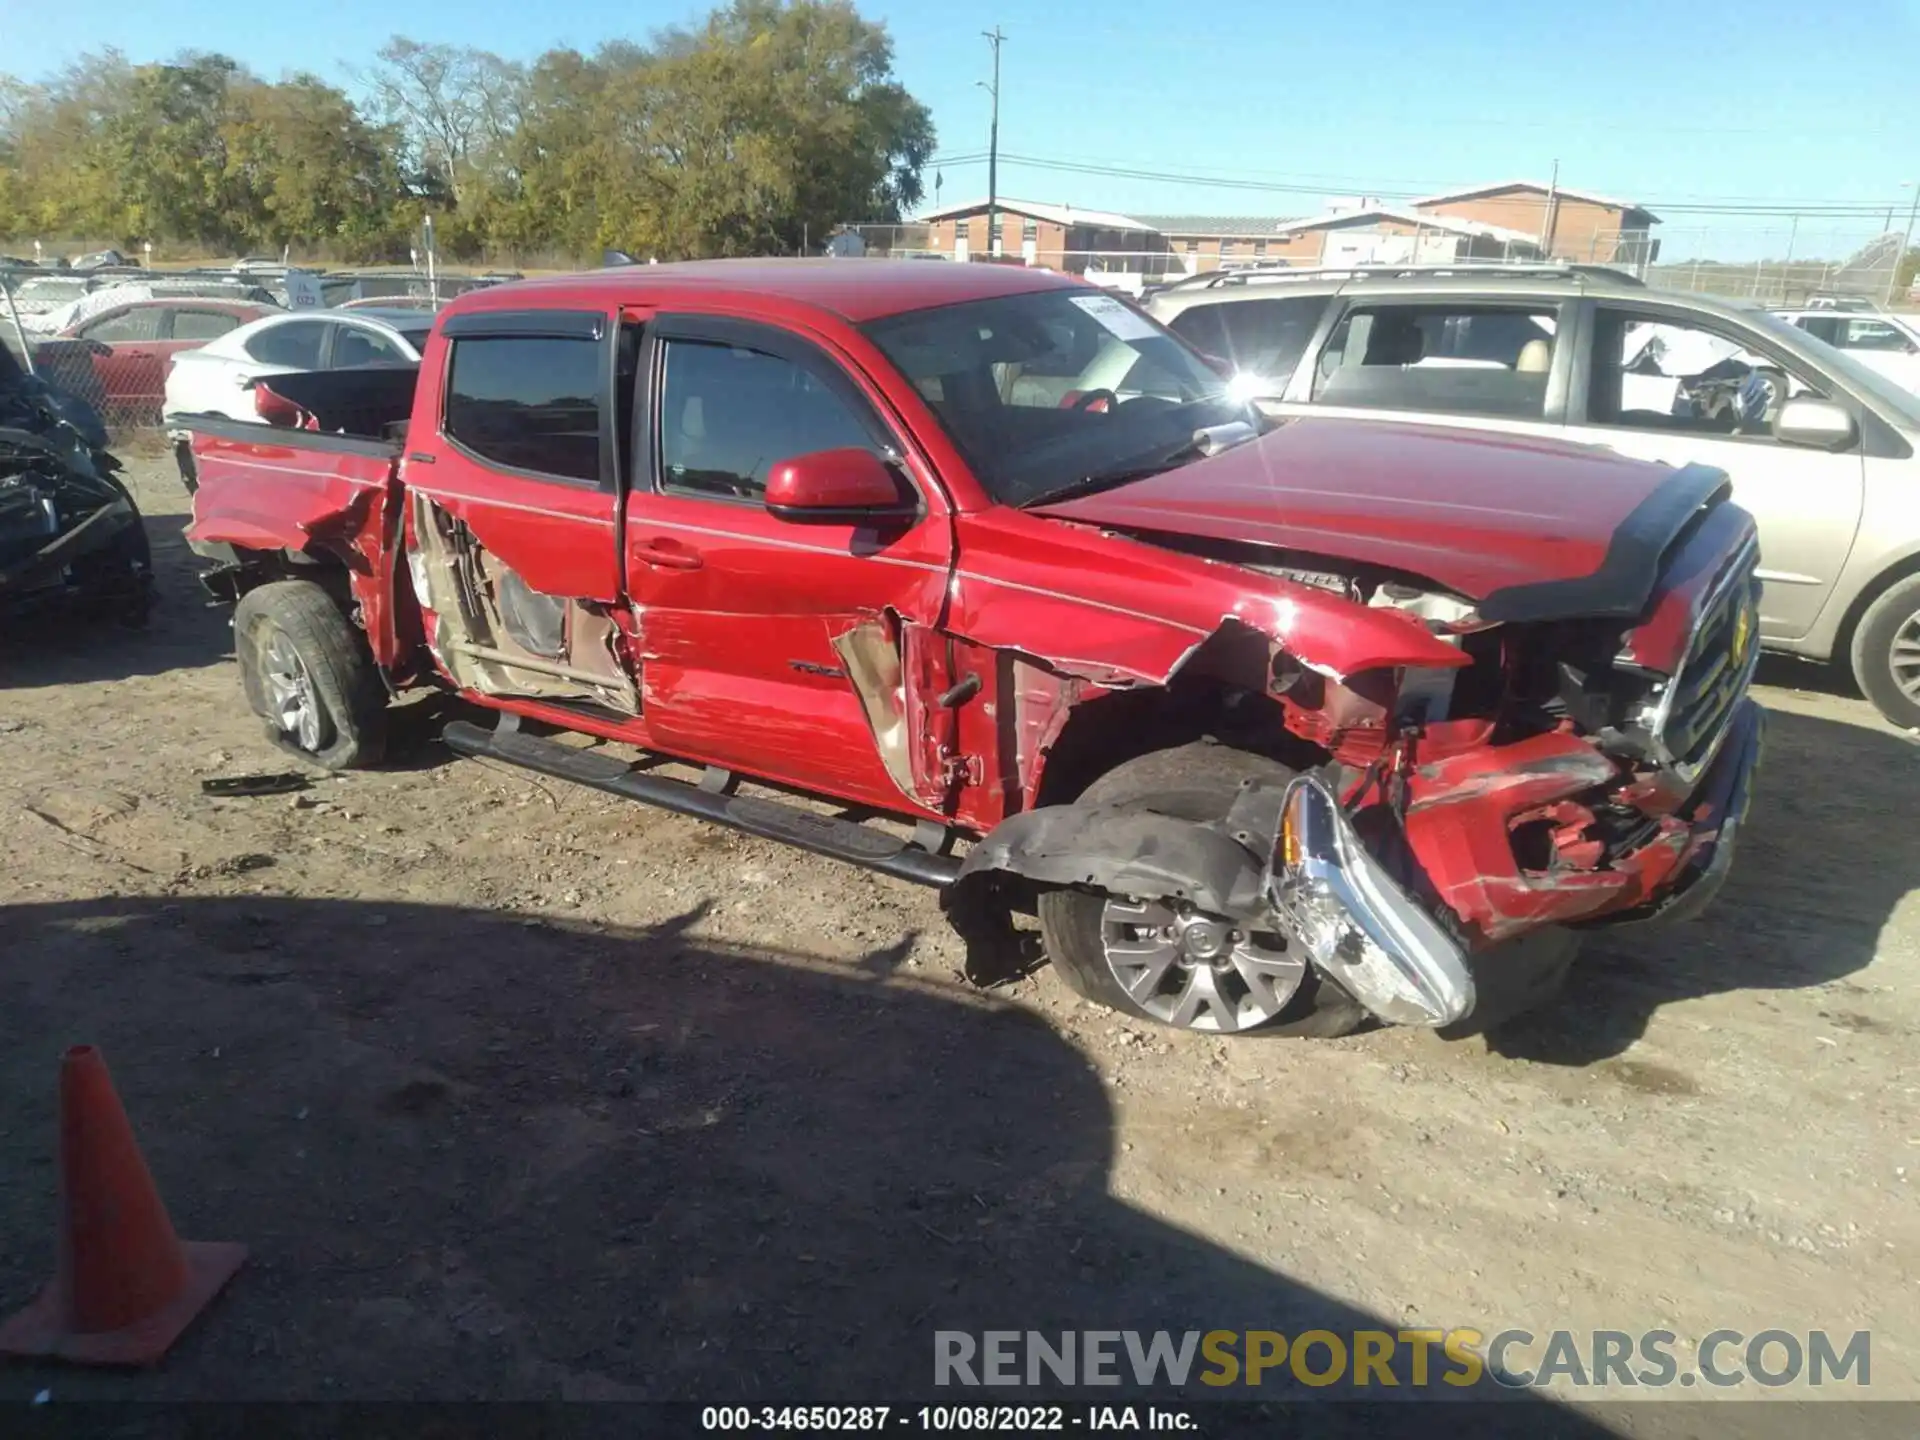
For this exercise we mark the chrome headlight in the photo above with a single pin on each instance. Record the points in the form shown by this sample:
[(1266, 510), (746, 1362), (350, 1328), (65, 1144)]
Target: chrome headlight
[(1338, 903)]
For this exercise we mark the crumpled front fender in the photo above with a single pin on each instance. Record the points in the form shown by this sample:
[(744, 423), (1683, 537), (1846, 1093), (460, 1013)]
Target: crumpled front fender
[(1126, 852)]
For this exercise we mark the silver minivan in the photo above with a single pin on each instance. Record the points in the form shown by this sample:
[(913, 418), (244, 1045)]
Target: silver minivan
[(1821, 449)]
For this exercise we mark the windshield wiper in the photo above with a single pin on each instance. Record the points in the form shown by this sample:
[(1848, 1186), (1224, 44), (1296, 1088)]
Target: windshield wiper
[(1201, 445)]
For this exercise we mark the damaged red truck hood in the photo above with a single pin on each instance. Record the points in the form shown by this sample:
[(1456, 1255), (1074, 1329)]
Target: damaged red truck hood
[(1477, 512)]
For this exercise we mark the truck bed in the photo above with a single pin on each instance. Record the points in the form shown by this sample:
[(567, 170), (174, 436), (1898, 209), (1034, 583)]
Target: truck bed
[(367, 405)]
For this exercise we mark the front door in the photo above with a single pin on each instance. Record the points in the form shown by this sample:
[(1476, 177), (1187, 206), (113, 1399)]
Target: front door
[(1646, 398), (804, 648), (515, 491)]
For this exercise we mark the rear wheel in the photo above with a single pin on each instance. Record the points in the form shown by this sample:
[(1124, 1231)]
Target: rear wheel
[(309, 675), (1886, 653), (1169, 962)]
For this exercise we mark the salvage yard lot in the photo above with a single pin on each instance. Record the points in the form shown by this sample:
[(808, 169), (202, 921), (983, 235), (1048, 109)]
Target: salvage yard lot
[(520, 1090)]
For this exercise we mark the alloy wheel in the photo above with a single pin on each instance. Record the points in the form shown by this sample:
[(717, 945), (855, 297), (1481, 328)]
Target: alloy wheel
[(1197, 971), (290, 697)]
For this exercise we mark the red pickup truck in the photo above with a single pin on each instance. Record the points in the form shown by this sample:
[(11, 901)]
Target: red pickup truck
[(1272, 724)]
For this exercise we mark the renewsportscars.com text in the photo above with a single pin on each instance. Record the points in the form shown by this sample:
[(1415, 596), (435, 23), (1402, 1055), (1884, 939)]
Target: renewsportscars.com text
[(1512, 1359)]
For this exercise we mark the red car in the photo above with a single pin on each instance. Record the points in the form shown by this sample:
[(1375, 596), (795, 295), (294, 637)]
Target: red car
[(1272, 724), (118, 358)]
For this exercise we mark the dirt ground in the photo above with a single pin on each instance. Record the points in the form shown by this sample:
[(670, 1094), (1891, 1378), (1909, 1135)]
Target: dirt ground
[(517, 1090)]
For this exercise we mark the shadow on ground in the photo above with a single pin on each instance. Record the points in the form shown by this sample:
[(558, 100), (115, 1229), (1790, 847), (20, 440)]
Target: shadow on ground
[(1828, 851), (1790, 672), (480, 1158)]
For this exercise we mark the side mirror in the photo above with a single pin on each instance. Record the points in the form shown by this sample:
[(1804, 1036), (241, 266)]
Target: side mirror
[(1818, 424), (848, 485)]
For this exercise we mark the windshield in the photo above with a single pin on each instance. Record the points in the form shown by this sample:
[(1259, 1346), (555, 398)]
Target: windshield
[(1903, 404), (1048, 391)]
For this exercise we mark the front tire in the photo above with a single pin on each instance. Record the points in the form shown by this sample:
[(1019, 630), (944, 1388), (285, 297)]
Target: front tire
[(1886, 653), (1170, 964), (309, 676)]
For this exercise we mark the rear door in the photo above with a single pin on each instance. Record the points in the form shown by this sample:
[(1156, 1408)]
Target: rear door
[(188, 327), (515, 489), (354, 344), (768, 645), (221, 385), (129, 371)]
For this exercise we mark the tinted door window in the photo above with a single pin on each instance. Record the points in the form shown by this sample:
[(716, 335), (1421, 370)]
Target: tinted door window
[(1451, 359), (1657, 372), (1260, 337), (127, 326), (354, 346), (1822, 327), (728, 415), (528, 403), (295, 344), (200, 326)]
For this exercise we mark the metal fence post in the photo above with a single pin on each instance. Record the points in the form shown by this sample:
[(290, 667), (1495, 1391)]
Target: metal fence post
[(13, 313)]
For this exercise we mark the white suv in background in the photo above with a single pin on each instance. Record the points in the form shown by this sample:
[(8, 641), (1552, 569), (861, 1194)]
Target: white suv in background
[(1884, 342), (1823, 450)]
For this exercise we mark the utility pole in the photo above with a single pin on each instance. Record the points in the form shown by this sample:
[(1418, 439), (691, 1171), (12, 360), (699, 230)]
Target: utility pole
[(1900, 256), (993, 38), (1547, 220)]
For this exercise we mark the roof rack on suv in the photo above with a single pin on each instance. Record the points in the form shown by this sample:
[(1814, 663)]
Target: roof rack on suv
[(1468, 270)]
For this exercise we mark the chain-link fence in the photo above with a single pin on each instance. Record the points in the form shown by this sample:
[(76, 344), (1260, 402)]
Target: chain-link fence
[(1836, 264), (109, 336), (1790, 266)]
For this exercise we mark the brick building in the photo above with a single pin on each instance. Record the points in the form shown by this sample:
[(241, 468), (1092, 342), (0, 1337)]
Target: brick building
[(1057, 237), (1203, 242), (1386, 235), (1512, 220), (1569, 224)]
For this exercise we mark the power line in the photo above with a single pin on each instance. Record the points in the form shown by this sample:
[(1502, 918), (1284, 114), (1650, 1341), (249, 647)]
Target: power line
[(1703, 205)]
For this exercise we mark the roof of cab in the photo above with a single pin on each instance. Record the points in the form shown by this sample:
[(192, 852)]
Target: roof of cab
[(856, 290)]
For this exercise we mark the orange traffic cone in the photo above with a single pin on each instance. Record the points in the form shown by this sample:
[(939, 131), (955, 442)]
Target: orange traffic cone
[(124, 1287)]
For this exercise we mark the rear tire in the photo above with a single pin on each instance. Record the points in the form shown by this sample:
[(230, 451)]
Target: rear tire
[(1189, 782), (1886, 653), (309, 676)]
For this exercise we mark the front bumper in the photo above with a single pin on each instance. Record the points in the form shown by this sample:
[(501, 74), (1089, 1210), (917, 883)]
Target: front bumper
[(1363, 930), (1717, 811), (1360, 928), (46, 568)]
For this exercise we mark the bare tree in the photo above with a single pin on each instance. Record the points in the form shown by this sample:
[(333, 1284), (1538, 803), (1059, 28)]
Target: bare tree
[(456, 106)]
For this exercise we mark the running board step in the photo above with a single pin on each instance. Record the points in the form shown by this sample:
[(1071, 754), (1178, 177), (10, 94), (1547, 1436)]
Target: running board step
[(770, 819)]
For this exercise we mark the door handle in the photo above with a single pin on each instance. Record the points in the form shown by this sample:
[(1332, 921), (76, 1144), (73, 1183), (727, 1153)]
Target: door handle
[(668, 555)]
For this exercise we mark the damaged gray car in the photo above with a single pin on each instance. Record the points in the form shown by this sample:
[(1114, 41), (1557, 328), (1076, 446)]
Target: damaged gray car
[(70, 534)]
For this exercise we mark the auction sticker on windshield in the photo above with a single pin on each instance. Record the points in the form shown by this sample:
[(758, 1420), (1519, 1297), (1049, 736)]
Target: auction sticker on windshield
[(1119, 321)]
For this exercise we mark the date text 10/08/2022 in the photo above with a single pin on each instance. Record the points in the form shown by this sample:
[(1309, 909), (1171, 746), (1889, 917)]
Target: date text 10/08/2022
[(941, 1418)]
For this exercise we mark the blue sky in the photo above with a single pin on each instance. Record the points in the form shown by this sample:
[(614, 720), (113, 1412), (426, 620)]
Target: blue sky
[(1670, 103)]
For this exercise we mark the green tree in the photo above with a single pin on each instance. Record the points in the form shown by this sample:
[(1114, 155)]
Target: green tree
[(770, 122), (166, 152), (303, 166)]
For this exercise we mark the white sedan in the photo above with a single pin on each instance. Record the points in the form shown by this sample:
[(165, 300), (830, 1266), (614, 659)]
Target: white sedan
[(214, 379)]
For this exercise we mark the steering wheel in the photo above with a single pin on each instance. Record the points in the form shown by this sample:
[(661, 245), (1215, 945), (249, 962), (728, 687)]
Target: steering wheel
[(1087, 399)]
